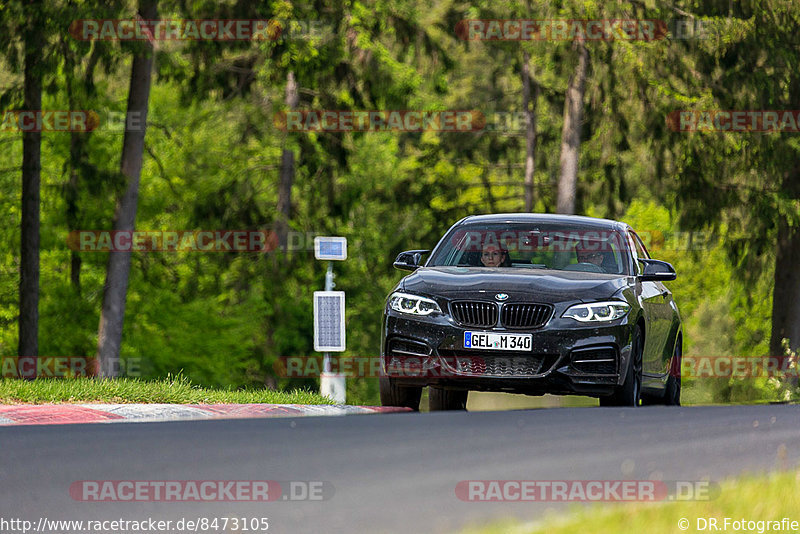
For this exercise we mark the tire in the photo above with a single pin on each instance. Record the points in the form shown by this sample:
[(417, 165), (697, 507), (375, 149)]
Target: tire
[(630, 392), (446, 399), (672, 392), (394, 395)]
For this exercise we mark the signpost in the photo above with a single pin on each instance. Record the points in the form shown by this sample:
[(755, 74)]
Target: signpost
[(329, 329)]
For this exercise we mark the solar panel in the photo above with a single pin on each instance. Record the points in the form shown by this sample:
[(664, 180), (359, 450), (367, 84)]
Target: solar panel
[(330, 248), (329, 321)]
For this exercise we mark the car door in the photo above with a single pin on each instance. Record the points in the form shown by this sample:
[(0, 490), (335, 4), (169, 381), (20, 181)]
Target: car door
[(655, 298)]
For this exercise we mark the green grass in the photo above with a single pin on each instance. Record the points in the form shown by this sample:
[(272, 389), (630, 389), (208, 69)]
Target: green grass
[(769, 498), (171, 390)]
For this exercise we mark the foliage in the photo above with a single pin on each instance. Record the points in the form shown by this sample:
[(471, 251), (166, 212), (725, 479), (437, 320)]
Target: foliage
[(213, 150)]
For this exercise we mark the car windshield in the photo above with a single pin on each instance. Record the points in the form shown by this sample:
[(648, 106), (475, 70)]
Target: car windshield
[(533, 246)]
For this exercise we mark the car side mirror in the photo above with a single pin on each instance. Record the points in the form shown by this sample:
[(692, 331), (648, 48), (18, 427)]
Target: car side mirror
[(410, 260), (656, 271)]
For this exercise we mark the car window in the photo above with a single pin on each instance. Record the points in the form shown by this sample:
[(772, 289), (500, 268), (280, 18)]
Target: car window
[(533, 246), (639, 249)]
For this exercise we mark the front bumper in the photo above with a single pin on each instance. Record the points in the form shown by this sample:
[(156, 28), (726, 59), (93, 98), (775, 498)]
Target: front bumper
[(567, 357)]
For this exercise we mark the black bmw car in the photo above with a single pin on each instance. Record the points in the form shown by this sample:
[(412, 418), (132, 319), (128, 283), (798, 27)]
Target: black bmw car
[(534, 304)]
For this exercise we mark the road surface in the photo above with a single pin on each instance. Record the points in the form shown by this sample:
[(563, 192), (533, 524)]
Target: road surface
[(387, 473)]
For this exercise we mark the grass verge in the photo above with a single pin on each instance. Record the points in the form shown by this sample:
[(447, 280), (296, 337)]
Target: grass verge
[(171, 390), (766, 498)]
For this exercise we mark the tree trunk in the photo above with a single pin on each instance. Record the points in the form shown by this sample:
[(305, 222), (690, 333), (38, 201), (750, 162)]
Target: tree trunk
[(287, 173), (31, 183), (76, 150), (78, 143), (530, 128), (571, 134), (487, 185), (786, 293), (119, 263)]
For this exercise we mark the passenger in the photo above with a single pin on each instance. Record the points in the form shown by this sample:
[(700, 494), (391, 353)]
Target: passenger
[(494, 256)]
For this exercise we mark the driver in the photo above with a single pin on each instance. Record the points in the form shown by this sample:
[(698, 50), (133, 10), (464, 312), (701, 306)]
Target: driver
[(595, 257), (592, 252)]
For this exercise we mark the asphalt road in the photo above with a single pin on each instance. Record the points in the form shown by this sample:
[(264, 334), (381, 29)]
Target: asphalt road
[(389, 473)]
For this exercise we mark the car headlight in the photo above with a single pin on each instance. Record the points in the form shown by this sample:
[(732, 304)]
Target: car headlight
[(413, 304), (598, 311)]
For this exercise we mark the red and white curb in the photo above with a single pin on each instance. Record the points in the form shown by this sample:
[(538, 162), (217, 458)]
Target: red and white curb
[(56, 414)]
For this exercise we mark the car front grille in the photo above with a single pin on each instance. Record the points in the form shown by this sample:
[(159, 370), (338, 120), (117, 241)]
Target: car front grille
[(514, 315), (485, 363), (479, 314), (595, 361), (525, 315)]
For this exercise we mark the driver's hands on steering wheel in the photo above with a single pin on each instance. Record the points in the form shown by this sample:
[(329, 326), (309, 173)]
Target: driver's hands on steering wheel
[(591, 267)]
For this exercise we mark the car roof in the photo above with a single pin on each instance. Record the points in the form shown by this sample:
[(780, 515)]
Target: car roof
[(550, 218)]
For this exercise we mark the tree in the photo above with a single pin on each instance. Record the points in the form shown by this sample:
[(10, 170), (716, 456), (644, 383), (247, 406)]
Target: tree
[(571, 134), (79, 87), (119, 262), (745, 182), (287, 171), (31, 180), (530, 128)]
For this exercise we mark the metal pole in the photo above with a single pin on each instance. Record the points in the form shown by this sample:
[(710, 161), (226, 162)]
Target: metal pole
[(331, 385), (329, 285)]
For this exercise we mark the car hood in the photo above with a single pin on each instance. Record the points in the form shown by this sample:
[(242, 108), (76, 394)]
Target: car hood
[(545, 285)]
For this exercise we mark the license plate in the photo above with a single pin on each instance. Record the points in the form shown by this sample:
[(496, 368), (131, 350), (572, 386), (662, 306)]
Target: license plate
[(497, 341)]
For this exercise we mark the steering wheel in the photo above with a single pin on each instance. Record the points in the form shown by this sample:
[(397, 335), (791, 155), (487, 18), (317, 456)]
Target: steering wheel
[(585, 267)]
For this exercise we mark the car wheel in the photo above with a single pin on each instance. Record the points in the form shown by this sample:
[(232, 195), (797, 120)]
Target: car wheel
[(394, 395), (446, 399), (630, 392), (672, 393)]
